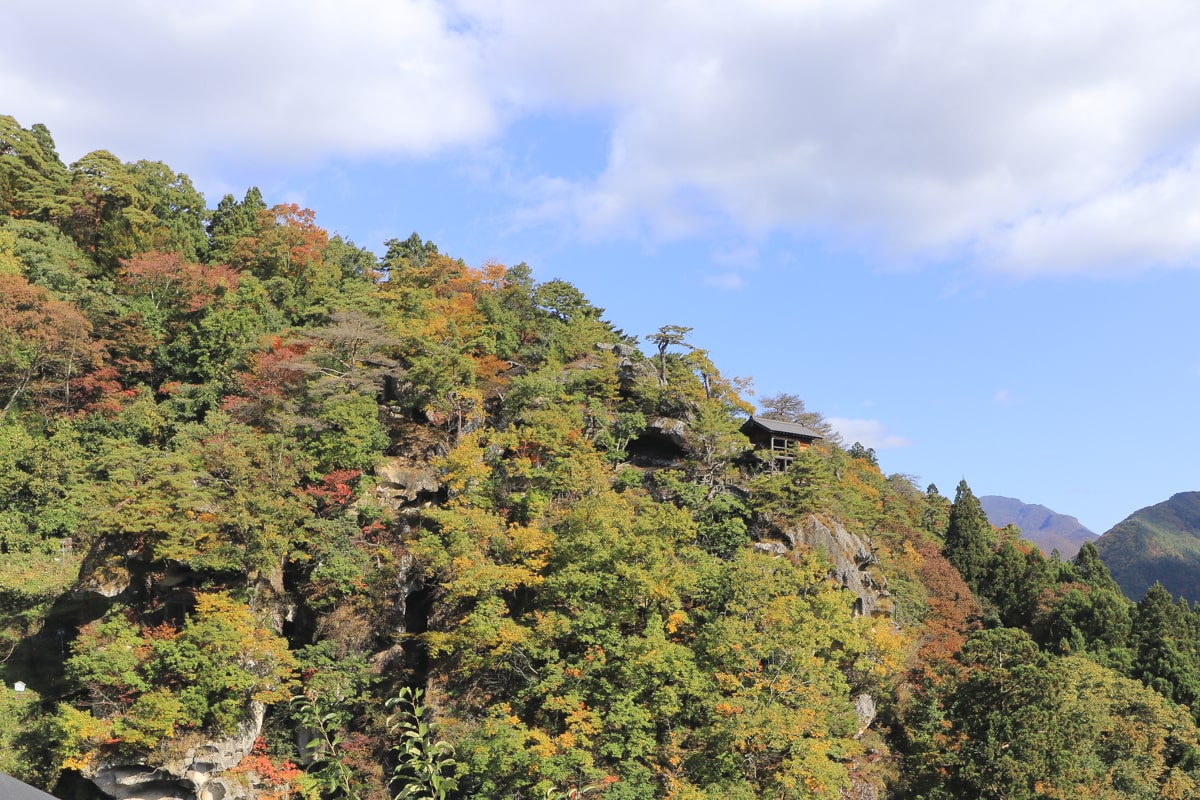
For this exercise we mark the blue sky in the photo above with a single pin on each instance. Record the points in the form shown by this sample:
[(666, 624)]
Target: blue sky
[(967, 233)]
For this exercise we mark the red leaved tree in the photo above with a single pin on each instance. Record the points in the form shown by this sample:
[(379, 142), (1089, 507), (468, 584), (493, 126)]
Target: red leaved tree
[(45, 344)]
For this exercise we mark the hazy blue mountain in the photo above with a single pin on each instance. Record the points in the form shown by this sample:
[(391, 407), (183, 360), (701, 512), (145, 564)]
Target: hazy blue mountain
[(1158, 543), (1048, 529)]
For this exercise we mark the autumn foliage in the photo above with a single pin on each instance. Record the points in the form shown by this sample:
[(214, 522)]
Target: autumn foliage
[(257, 480)]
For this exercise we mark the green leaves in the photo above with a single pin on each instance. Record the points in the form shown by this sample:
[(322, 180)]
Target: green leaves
[(969, 539), (221, 500), (332, 774), (424, 764), (32, 178), (142, 684), (589, 622), (1021, 726), (779, 651)]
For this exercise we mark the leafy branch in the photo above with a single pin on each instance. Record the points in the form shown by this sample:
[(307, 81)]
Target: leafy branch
[(425, 767), (328, 767)]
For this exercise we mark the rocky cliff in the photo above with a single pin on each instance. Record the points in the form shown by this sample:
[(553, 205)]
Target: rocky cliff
[(202, 769)]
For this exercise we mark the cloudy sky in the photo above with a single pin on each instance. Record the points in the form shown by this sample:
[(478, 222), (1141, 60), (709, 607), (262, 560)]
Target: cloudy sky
[(968, 233)]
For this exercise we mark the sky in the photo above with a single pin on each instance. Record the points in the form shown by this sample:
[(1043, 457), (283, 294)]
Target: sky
[(967, 233)]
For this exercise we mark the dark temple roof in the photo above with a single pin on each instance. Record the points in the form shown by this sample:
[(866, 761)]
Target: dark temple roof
[(782, 428)]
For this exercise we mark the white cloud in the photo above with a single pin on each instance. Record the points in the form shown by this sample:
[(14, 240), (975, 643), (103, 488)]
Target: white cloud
[(729, 281), (868, 432), (1032, 136), (1035, 136), (1151, 222), (283, 81)]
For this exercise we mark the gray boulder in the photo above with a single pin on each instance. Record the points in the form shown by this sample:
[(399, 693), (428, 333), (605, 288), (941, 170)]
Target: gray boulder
[(854, 562)]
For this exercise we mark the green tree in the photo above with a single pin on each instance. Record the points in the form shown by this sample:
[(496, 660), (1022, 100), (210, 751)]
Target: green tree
[(863, 453), (177, 209), (1162, 659), (1002, 713), (564, 302), (231, 221), (969, 539), (1018, 725), (142, 684), (1015, 583), (359, 269), (425, 764), (668, 336), (1092, 570), (108, 211), (32, 177), (935, 513), (406, 255), (214, 342), (37, 473), (805, 487)]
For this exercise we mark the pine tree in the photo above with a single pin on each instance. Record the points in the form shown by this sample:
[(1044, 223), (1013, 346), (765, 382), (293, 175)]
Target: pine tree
[(1092, 570), (970, 539), (1160, 636), (1015, 581), (231, 221), (935, 514)]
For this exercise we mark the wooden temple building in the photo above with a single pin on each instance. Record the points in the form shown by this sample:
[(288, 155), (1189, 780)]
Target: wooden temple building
[(783, 440)]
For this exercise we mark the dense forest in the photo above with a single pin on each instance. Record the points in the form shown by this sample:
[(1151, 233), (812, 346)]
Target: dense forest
[(284, 518)]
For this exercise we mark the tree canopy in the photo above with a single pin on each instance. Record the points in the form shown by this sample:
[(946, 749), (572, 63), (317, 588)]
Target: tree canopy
[(432, 529)]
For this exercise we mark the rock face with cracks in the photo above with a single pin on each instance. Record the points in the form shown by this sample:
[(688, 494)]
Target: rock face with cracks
[(403, 481), (854, 564), (202, 772)]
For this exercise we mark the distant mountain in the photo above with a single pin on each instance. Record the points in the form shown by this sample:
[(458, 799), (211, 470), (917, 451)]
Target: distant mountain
[(1047, 529), (1159, 543)]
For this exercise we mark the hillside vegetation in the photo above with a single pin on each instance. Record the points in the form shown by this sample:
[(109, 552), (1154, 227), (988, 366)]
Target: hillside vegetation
[(283, 517), (1160, 543)]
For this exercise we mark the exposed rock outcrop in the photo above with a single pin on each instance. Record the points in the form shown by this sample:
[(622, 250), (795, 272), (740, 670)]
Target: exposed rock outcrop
[(854, 566), (105, 571), (403, 481), (625, 352), (861, 791), (866, 709), (632, 368), (663, 443), (854, 562), (201, 772), (669, 429)]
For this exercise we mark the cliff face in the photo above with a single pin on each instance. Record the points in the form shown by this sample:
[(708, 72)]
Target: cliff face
[(201, 772), (854, 565), (195, 764)]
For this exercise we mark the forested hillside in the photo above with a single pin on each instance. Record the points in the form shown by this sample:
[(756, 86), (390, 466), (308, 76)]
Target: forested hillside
[(1160, 543), (282, 517)]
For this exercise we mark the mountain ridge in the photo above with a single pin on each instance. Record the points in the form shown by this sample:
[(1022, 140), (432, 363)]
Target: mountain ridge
[(1158, 543), (1043, 526)]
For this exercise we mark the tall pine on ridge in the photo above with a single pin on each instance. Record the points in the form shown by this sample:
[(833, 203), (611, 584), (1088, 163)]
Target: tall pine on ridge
[(969, 539)]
